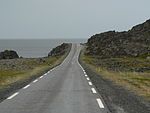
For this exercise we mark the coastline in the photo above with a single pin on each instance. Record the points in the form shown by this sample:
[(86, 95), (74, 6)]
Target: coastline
[(35, 67)]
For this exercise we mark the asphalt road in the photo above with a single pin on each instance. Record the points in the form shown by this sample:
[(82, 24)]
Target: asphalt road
[(64, 89)]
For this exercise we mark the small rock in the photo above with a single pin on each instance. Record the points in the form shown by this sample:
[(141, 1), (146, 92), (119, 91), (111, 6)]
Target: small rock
[(148, 58)]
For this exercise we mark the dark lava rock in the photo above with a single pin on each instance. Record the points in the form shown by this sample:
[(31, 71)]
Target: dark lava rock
[(59, 50), (133, 43), (8, 54)]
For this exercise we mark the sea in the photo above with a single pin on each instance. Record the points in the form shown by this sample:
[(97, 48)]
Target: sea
[(34, 48)]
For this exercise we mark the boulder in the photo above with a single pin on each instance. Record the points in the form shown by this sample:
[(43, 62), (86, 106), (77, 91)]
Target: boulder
[(8, 54), (59, 50)]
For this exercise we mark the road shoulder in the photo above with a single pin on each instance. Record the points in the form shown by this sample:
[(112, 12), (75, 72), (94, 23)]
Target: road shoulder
[(117, 98)]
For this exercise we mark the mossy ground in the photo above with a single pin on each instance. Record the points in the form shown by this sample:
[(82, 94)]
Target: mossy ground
[(121, 71)]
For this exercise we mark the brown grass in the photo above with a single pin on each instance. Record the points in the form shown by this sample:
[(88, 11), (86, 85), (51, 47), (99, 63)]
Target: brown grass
[(137, 82), (10, 76)]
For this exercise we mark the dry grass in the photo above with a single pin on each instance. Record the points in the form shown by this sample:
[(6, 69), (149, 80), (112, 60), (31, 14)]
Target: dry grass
[(133, 81), (35, 68)]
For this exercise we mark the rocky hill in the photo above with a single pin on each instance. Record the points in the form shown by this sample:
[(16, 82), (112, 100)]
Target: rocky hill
[(132, 43), (60, 50)]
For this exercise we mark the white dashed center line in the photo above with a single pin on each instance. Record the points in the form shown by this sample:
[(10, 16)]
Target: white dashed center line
[(26, 86), (100, 103), (90, 83), (85, 75), (12, 96), (93, 90), (35, 81)]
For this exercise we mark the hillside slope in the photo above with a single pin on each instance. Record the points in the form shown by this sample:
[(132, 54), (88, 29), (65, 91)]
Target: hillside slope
[(118, 64), (134, 43)]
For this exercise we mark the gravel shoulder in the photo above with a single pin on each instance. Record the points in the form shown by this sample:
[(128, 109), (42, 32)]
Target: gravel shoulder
[(117, 98)]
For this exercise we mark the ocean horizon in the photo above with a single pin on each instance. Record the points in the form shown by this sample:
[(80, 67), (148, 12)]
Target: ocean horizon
[(34, 48)]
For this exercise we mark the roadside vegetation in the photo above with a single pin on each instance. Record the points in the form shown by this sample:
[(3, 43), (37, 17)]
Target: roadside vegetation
[(122, 57), (131, 73), (22, 69)]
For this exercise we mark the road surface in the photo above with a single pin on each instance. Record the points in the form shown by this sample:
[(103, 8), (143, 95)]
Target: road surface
[(64, 89)]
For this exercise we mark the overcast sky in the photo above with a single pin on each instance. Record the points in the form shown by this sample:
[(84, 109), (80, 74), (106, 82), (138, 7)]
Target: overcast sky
[(69, 18)]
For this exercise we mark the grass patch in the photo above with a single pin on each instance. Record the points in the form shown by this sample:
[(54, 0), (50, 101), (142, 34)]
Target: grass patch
[(138, 82), (7, 76), (26, 68)]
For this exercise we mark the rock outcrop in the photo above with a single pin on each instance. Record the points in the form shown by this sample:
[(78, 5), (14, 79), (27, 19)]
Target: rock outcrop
[(133, 43), (59, 50), (8, 54)]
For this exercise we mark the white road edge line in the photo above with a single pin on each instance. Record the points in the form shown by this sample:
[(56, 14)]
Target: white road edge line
[(90, 83), (35, 81), (93, 90), (48, 72), (85, 75), (87, 78), (100, 103), (41, 76), (12, 96), (26, 86)]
